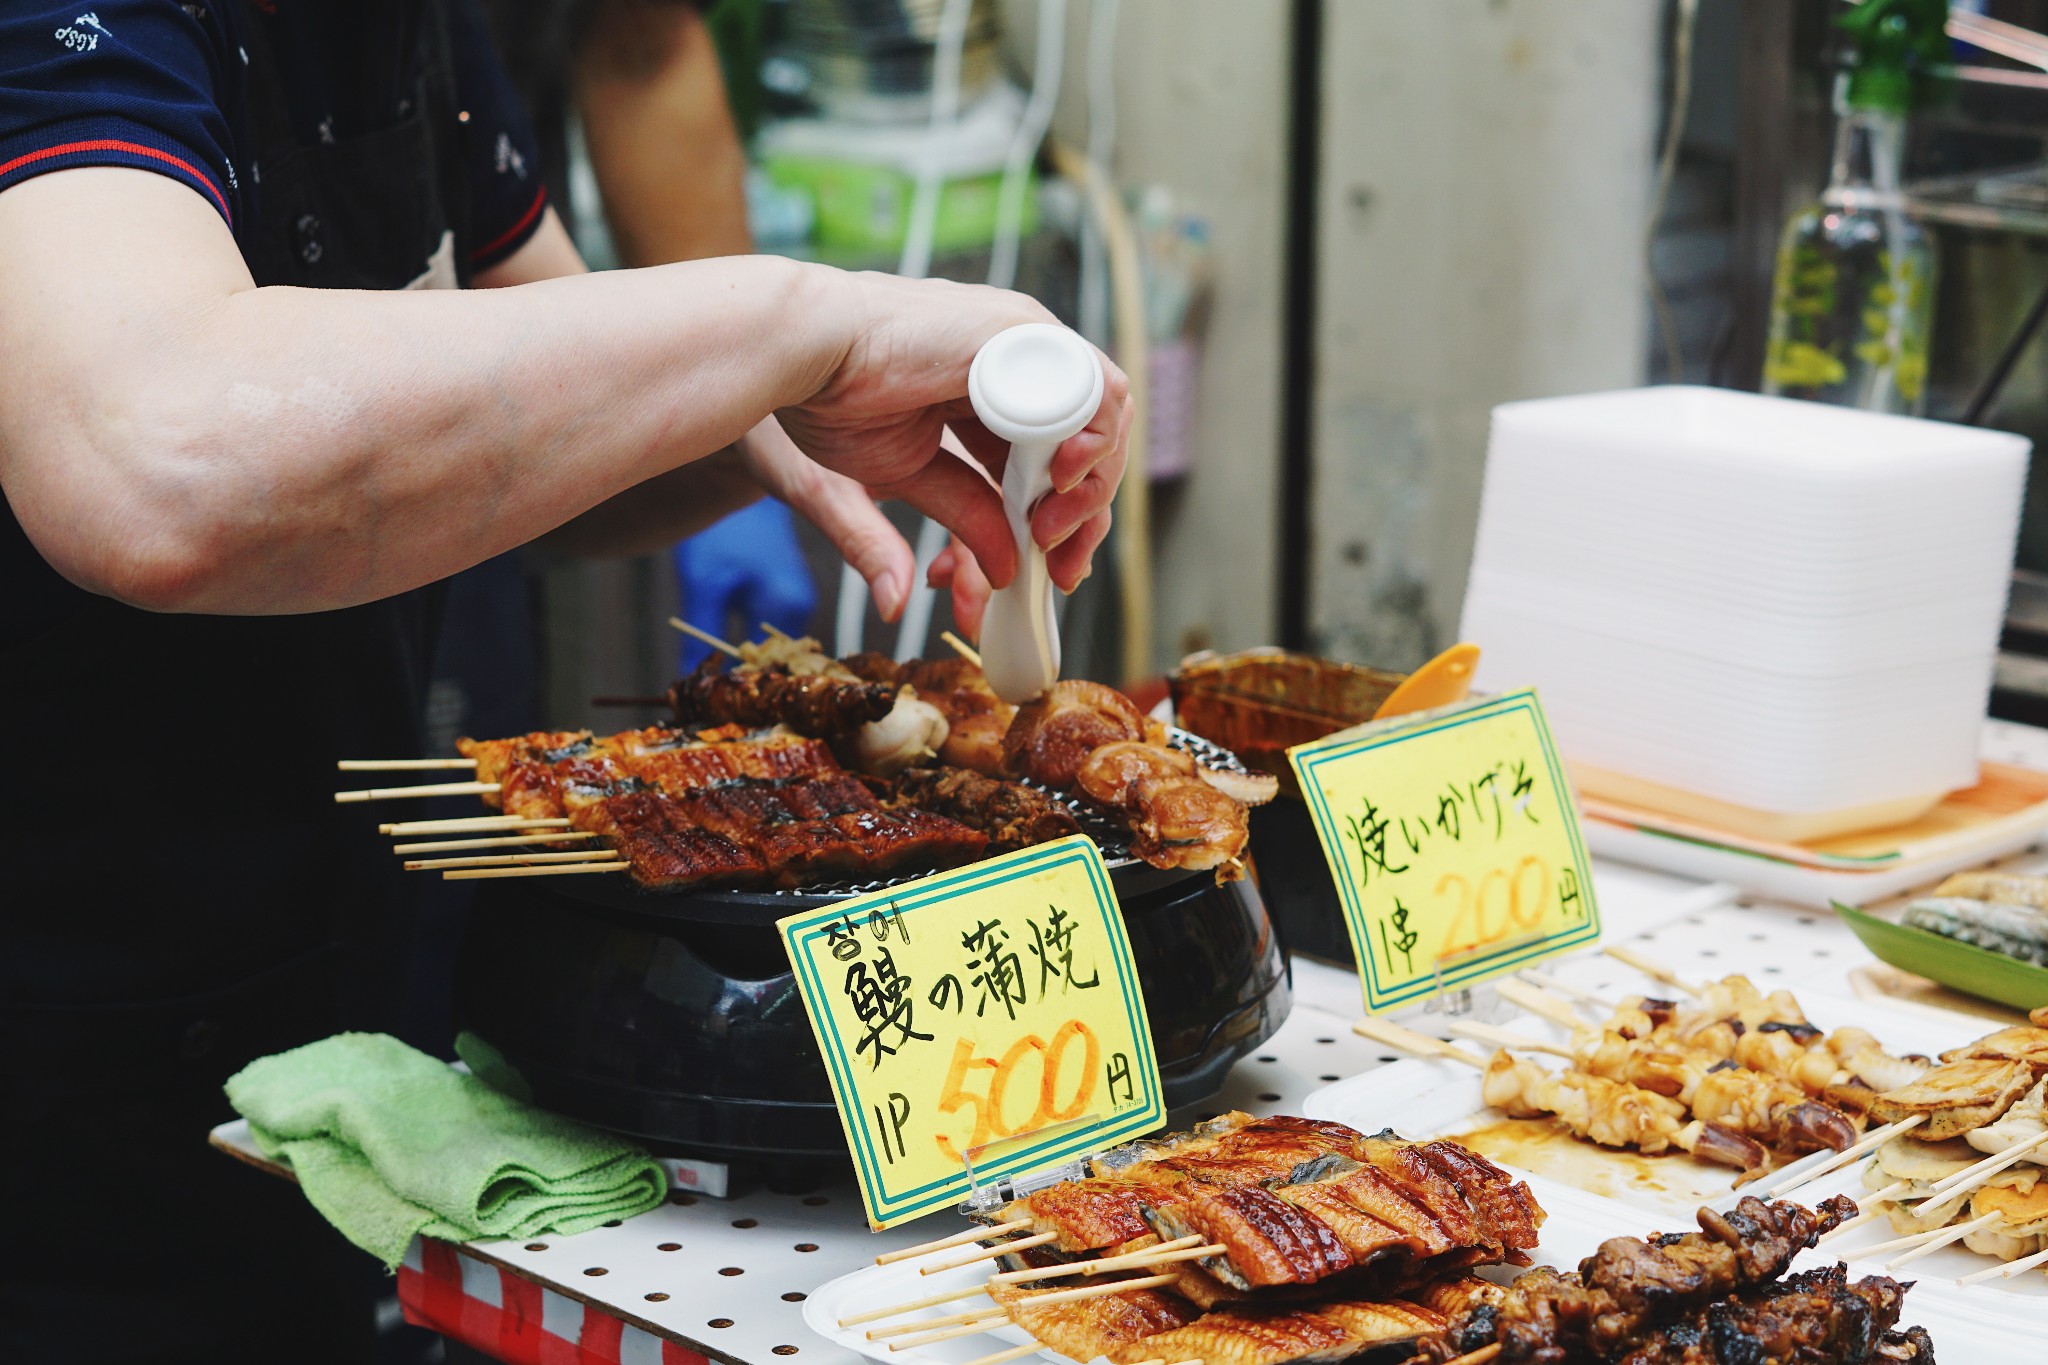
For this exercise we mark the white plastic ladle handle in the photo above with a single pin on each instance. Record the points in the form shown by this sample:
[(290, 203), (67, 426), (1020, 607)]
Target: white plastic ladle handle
[(1033, 385)]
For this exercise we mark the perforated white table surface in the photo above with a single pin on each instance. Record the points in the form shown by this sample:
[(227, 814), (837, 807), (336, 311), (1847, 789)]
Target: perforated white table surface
[(727, 1277)]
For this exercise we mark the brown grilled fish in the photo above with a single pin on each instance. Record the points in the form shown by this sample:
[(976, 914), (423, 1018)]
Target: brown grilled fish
[(1246, 1335)]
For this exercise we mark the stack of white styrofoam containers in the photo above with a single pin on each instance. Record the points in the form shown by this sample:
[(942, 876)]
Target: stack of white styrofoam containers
[(1775, 616)]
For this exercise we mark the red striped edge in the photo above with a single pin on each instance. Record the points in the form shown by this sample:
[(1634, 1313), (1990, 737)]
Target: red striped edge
[(540, 199), (108, 144)]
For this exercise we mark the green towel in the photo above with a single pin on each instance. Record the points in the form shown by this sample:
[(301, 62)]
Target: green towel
[(388, 1142)]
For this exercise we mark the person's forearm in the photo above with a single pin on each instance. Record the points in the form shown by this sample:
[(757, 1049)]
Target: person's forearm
[(660, 134), (295, 450), (655, 514)]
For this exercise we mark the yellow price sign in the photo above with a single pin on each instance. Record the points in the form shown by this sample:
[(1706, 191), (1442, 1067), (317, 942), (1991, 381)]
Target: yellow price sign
[(977, 1024), (1454, 842)]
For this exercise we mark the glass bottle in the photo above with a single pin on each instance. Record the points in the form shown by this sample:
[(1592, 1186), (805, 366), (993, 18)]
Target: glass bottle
[(1854, 293)]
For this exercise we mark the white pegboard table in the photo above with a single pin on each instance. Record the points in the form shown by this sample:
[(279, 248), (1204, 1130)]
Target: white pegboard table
[(727, 1277)]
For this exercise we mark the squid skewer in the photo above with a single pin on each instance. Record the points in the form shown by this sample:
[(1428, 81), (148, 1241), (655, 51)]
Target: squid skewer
[(1611, 1113), (1756, 1105)]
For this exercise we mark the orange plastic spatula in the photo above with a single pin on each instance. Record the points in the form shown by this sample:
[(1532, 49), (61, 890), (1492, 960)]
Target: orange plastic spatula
[(1441, 681)]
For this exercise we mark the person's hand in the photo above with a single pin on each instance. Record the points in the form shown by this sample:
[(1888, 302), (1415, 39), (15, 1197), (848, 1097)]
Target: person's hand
[(955, 568), (838, 506), (899, 379)]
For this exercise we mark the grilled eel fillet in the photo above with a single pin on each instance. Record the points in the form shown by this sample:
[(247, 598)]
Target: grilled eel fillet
[(815, 705), (1148, 1324), (1295, 1201), (753, 833), (674, 761)]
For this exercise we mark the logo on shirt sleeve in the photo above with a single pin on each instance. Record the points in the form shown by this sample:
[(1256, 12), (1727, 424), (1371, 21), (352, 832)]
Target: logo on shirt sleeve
[(508, 157), (76, 37)]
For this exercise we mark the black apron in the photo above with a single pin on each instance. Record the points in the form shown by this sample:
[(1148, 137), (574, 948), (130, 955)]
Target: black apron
[(183, 894)]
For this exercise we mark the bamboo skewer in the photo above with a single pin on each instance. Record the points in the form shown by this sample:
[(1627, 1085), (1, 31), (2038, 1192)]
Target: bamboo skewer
[(494, 841), (1014, 1353), (1915, 1239), (929, 1301), (1556, 985), (475, 874), (970, 1329), (927, 1324), (1869, 1206), (1877, 1137), (466, 824), (1500, 1037), (705, 637), (2008, 1270), (426, 789), (1650, 967), (577, 855), (1096, 1291), (1948, 1235), (1970, 1177), (961, 647), (1415, 1044), (990, 1253), (1180, 1249), (775, 632), (1478, 1357), (971, 1235), (1538, 1002), (402, 765)]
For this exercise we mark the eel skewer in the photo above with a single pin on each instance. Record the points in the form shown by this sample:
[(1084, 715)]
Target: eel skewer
[(404, 765)]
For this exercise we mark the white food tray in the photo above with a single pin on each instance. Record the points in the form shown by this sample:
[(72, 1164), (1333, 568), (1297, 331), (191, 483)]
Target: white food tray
[(1812, 886)]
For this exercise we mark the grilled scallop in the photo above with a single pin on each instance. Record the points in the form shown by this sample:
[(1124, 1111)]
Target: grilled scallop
[(1956, 1097)]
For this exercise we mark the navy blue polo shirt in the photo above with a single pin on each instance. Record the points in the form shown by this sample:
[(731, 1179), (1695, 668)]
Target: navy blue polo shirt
[(159, 85)]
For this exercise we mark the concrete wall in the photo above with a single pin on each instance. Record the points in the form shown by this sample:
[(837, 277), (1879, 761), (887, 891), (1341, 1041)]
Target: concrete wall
[(1485, 173)]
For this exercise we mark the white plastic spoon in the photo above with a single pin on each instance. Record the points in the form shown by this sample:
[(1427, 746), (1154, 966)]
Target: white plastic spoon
[(1033, 386)]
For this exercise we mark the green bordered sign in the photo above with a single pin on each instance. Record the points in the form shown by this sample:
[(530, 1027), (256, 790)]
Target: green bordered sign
[(1453, 838), (978, 1024)]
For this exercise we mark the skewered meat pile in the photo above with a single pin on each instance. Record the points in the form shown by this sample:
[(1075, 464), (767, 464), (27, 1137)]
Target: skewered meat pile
[(1293, 1202), (1084, 736), (1263, 1288), (1712, 1297), (1732, 1078), (976, 718), (1985, 1106), (815, 704), (1011, 814), (772, 809), (1078, 737), (1322, 1243), (745, 788)]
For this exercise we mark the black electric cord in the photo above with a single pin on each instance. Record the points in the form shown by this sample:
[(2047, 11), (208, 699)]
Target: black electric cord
[(1985, 399)]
